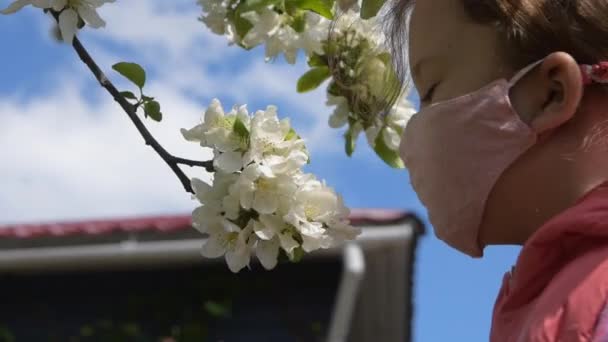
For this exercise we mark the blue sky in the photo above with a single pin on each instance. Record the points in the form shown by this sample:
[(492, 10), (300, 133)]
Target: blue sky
[(68, 152)]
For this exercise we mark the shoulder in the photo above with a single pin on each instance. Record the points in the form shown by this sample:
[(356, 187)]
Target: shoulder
[(573, 305)]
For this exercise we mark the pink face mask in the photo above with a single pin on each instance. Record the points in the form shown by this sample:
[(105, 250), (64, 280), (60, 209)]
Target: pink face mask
[(455, 151)]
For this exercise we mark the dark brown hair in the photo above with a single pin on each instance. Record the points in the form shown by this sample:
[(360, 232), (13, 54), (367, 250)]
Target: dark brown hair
[(530, 29)]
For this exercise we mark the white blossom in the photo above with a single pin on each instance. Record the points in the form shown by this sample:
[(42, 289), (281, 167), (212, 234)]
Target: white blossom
[(396, 120), (229, 161), (216, 130), (273, 233), (401, 113), (228, 239), (70, 10), (212, 197), (351, 23), (260, 200), (214, 15), (340, 115), (283, 41), (271, 28), (265, 23), (371, 133), (314, 34), (261, 193), (271, 145), (315, 211)]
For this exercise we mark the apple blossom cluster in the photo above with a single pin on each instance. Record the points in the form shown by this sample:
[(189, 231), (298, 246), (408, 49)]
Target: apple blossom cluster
[(350, 52), (362, 81), (281, 30), (260, 201), (71, 13)]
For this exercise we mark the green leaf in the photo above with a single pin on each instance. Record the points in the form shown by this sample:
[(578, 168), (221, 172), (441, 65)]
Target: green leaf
[(386, 58), (370, 8), (291, 7), (147, 98), (322, 7), (317, 60), (241, 24), (313, 78), (291, 135), (299, 23), (334, 89), (349, 142), (240, 129), (296, 255), (152, 109), (128, 95), (132, 71), (389, 156), (219, 310)]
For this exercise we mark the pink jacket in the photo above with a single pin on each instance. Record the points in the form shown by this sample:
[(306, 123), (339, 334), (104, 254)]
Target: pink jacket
[(558, 289)]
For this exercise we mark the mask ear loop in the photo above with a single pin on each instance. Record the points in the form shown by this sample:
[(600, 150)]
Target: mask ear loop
[(523, 72), (594, 73)]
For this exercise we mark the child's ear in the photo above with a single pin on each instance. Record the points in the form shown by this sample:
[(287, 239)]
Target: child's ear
[(561, 89)]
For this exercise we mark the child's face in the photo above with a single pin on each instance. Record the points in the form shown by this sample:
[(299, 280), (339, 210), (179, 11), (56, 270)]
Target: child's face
[(450, 55)]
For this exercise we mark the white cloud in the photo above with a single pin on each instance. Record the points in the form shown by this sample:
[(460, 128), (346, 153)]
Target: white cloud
[(161, 28), (66, 158)]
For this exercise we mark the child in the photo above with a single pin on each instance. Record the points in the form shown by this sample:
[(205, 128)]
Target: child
[(511, 147)]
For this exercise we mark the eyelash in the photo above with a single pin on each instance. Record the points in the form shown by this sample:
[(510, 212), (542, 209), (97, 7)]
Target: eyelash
[(429, 94)]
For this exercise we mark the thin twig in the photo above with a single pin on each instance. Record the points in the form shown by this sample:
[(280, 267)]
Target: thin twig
[(207, 164), (172, 161)]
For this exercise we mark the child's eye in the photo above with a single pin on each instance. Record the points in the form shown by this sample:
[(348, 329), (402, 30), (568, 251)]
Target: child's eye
[(428, 96)]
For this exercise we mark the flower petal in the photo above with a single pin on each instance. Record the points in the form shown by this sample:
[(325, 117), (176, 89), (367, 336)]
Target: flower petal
[(312, 229), (68, 24), (268, 253), (338, 119), (193, 134), (231, 206), (214, 112), (203, 217), (201, 189), (265, 202), (391, 138), (310, 244), (263, 231), (91, 17), (16, 6), (58, 5), (213, 248), (371, 134), (246, 196), (229, 162), (238, 259), (230, 227), (288, 243)]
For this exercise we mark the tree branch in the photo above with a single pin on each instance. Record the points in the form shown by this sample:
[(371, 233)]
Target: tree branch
[(172, 161), (207, 164)]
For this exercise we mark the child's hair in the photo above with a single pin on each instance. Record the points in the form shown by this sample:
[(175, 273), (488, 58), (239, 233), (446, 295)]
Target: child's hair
[(530, 29)]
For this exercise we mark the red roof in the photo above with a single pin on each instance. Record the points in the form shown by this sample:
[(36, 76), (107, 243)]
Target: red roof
[(162, 224)]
